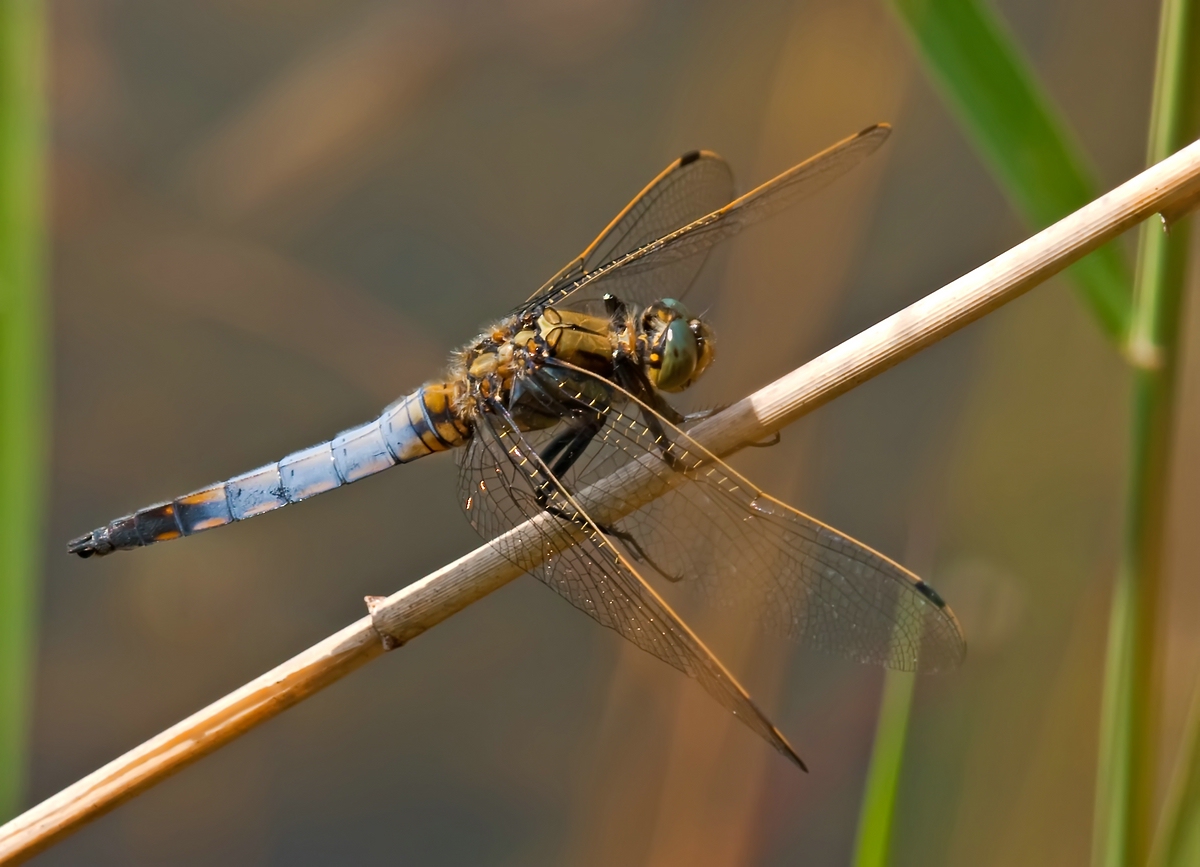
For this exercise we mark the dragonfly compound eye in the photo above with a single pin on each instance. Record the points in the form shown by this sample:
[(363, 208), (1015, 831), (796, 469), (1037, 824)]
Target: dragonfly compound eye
[(707, 347), (678, 352)]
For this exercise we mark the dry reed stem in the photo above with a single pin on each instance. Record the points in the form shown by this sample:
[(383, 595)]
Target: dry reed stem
[(427, 602)]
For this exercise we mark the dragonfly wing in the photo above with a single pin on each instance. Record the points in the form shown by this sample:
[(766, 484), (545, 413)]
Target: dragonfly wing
[(504, 482), (696, 184), (630, 275), (712, 528)]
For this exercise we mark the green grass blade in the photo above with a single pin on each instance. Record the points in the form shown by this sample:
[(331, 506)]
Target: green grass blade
[(883, 777), (22, 375), (1178, 841), (1125, 772), (1014, 125)]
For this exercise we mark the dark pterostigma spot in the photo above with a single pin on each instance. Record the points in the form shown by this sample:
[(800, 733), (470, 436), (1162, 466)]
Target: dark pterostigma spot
[(689, 158), (930, 594)]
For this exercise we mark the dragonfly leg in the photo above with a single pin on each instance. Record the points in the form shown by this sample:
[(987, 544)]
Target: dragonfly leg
[(631, 542), (767, 443), (577, 445), (633, 379), (639, 553), (556, 445), (564, 450), (702, 414)]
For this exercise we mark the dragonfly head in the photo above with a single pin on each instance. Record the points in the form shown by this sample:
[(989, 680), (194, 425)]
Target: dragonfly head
[(678, 347)]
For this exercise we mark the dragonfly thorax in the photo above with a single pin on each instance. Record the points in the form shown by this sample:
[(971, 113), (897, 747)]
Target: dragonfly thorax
[(519, 346), (671, 347)]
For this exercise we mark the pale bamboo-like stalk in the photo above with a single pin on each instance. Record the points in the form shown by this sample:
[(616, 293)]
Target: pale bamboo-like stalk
[(425, 603)]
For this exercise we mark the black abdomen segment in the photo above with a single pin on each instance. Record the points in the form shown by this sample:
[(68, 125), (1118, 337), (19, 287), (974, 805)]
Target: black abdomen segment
[(414, 426)]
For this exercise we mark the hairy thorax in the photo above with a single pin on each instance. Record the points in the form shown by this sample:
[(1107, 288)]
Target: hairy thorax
[(492, 366)]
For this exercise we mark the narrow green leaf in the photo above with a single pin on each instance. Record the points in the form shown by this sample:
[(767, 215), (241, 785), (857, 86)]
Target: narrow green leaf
[(22, 376), (1125, 783), (1015, 127), (1178, 841), (883, 777)]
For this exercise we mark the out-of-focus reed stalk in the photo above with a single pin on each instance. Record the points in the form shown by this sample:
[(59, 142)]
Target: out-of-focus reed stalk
[(1017, 130), (1125, 784), (877, 812), (22, 375), (1177, 843), (1027, 144), (873, 846), (1010, 120)]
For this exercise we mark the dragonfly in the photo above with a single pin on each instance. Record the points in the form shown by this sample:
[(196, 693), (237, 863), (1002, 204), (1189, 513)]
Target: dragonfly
[(551, 404)]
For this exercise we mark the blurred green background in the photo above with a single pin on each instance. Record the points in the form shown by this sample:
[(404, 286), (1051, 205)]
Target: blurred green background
[(269, 219)]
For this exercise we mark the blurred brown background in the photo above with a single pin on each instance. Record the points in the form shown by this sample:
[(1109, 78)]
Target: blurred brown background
[(273, 217)]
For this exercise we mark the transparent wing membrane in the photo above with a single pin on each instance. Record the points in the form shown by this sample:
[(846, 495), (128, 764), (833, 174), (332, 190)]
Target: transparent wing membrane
[(696, 184), (658, 267), (504, 482), (711, 528)]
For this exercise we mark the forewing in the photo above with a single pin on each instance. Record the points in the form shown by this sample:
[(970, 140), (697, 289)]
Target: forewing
[(695, 184), (500, 477), (709, 526), (632, 276)]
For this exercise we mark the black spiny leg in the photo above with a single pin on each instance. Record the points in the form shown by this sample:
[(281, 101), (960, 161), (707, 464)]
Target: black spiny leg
[(633, 379), (561, 453), (567, 437), (575, 446), (564, 450)]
